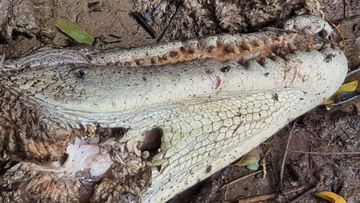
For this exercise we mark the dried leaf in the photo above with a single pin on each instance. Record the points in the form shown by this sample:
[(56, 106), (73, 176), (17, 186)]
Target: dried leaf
[(251, 157), (74, 31), (331, 197)]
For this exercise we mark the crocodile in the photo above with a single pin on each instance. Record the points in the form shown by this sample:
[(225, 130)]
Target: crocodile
[(187, 109)]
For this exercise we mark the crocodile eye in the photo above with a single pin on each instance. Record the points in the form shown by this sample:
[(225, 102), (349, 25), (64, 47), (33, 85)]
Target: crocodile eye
[(81, 74)]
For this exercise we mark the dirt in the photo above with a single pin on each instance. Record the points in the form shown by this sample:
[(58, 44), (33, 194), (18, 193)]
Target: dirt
[(108, 21), (323, 131)]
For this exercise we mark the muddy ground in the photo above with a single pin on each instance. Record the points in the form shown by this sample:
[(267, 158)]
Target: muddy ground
[(323, 139)]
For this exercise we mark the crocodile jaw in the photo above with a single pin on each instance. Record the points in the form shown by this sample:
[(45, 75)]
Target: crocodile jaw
[(230, 124), (210, 115), (307, 79)]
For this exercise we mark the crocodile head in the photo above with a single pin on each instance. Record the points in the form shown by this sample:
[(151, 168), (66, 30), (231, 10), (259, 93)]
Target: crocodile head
[(205, 102)]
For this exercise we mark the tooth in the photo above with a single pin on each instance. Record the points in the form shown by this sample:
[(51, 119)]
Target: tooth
[(165, 56), (140, 62), (154, 60), (183, 49), (219, 43), (268, 41), (173, 54), (193, 47), (232, 48), (191, 50), (262, 61), (292, 46), (258, 43), (246, 46), (210, 49), (272, 56)]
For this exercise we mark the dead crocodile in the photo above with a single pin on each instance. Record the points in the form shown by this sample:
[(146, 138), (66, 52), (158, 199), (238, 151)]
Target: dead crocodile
[(188, 109)]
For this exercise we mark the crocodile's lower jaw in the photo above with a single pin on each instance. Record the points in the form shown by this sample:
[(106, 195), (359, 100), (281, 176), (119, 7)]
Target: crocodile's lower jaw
[(194, 150), (201, 114)]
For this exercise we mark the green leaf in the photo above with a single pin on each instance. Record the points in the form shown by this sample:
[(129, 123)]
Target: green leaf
[(254, 166), (74, 31)]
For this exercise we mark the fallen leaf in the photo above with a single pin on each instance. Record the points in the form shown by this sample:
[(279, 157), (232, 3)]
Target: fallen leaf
[(348, 87), (331, 197), (74, 31), (344, 89), (250, 160), (253, 166)]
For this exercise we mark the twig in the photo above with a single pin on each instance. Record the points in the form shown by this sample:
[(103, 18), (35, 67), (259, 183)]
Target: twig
[(272, 170), (346, 18), (2, 60), (325, 153), (275, 177), (265, 197), (142, 22), (285, 155), (167, 26), (346, 8), (241, 178), (300, 197), (278, 29)]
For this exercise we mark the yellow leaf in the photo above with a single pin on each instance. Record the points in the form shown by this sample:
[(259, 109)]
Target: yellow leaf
[(331, 197), (347, 87)]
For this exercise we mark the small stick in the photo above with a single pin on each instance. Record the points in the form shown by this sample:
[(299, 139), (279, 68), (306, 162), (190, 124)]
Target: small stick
[(170, 21), (142, 21), (2, 60), (265, 197), (300, 197), (279, 30), (346, 18), (115, 36), (325, 153), (241, 178), (346, 8), (285, 155)]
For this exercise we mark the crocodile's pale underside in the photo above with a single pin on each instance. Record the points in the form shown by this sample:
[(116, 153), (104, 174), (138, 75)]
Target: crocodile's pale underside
[(213, 100)]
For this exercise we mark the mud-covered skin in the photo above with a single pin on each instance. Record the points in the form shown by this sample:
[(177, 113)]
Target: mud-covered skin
[(59, 182), (26, 133), (22, 183), (210, 111)]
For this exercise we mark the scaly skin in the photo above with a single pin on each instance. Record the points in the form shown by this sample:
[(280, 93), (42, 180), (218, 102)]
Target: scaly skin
[(213, 107)]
